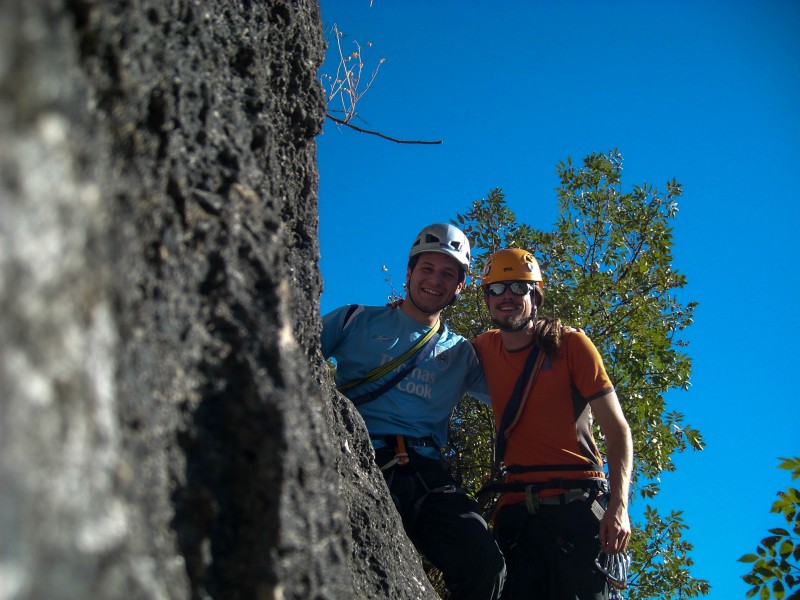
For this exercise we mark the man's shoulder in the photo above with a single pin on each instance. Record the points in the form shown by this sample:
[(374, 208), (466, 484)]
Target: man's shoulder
[(565, 329), (353, 314), (452, 338), (573, 334), (487, 337), (351, 310), (576, 340)]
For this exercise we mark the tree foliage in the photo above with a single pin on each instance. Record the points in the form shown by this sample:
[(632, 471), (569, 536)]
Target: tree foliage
[(776, 564), (608, 268)]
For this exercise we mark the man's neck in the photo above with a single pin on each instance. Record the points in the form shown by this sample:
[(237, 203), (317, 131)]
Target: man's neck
[(517, 340), (427, 319)]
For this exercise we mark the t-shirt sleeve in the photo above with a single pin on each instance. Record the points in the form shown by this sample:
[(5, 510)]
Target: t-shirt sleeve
[(333, 330), (477, 386), (586, 366)]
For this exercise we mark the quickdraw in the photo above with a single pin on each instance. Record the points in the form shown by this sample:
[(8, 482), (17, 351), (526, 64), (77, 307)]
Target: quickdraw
[(615, 567)]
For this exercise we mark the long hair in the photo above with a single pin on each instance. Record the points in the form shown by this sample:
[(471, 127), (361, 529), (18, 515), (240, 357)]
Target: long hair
[(547, 331)]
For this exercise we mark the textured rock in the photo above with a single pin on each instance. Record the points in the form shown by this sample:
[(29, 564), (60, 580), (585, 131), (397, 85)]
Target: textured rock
[(167, 429)]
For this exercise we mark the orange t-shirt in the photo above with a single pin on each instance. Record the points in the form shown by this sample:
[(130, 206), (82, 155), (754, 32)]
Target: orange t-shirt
[(555, 427)]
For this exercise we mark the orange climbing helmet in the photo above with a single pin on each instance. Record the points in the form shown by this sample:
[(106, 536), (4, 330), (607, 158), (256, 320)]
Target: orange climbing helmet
[(511, 264)]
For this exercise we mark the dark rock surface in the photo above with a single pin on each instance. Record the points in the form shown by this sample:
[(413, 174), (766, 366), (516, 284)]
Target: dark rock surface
[(167, 429)]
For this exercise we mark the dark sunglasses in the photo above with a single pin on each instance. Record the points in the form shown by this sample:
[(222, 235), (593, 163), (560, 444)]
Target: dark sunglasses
[(518, 288)]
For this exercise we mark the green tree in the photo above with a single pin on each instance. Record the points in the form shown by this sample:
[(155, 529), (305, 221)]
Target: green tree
[(776, 564), (608, 269)]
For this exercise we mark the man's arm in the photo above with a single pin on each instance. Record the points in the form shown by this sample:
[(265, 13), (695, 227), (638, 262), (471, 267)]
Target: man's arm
[(615, 528), (477, 385)]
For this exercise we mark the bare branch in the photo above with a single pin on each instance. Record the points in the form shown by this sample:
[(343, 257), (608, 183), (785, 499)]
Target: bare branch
[(379, 134), (346, 82), (346, 86)]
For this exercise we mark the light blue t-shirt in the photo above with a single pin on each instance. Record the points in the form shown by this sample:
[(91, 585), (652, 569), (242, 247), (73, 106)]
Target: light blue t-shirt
[(421, 404)]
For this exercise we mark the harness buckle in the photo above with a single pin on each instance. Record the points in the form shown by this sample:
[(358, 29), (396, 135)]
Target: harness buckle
[(532, 501)]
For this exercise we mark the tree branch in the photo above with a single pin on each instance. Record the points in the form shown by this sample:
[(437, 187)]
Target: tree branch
[(380, 135)]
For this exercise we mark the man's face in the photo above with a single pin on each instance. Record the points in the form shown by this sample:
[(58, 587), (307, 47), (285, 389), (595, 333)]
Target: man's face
[(434, 281), (509, 311)]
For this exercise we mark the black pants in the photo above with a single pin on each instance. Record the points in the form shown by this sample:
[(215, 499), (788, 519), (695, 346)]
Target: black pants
[(550, 554), (446, 527)]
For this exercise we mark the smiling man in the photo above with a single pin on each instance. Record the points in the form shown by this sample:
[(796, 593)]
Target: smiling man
[(562, 526), (405, 371)]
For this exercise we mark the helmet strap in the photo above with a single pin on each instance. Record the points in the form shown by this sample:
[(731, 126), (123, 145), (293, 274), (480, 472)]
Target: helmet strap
[(426, 311), (407, 289), (419, 308)]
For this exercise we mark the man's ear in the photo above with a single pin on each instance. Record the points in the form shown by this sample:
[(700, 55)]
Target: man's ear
[(460, 287)]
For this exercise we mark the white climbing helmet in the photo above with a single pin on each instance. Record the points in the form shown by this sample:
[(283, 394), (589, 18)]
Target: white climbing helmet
[(445, 239)]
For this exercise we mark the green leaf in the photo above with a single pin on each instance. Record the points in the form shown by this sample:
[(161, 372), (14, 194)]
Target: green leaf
[(791, 464), (770, 541), (764, 570), (748, 558), (786, 548)]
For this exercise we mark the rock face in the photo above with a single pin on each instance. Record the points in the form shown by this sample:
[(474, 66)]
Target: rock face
[(167, 428)]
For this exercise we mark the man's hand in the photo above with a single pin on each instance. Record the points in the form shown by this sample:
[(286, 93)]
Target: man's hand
[(615, 526), (615, 530)]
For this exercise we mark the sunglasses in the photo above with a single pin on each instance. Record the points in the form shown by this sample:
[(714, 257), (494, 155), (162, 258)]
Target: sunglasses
[(518, 288)]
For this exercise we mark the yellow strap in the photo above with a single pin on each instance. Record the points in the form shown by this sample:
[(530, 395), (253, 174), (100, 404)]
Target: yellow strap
[(379, 372)]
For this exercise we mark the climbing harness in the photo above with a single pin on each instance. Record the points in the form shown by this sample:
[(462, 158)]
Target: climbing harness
[(404, 468), (550, 468), (400, 454), (570, 490), (400, 443)]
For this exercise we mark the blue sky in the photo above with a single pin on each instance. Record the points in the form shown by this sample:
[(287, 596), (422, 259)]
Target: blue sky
[(704, 92)]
